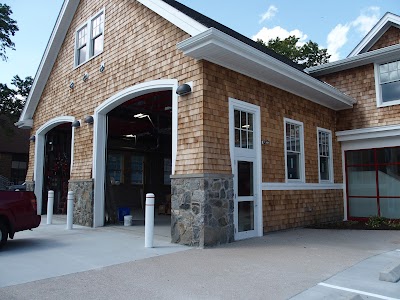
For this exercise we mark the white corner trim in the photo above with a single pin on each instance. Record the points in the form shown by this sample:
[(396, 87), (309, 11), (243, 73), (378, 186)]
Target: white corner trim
[(375, 33), (174, 16), (282, 186), (368, 133), (222, 49)]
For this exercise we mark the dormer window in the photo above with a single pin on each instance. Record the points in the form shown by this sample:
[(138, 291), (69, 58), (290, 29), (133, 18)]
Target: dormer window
[(387, 78), (89, 39)]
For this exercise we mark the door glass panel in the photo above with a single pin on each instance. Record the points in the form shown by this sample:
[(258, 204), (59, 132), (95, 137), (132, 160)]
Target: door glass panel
[(237, 138), (360, 157), (363, 207), (388, 155), (245, 216), (361, 181), (389, 180), (390, 208), (237, 119), (245, 178)]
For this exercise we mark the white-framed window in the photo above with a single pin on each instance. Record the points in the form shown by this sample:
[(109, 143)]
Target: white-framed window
[(115, 168), (325, 160), (387, 83), (294, 150), (89, 39), (137, 169), (244, 129)]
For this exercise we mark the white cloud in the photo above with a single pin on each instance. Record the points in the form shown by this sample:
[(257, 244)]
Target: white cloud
[(270, 13), (364, 22), (337, 38), (266, 34)]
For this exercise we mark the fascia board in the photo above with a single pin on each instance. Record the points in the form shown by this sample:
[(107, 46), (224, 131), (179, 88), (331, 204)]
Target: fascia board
[(203, 46), (377, 56), (176, 17), (49, 57), (375, 33), (368, 133)]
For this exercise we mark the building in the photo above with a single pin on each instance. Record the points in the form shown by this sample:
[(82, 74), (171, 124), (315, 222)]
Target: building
[(248, 146)]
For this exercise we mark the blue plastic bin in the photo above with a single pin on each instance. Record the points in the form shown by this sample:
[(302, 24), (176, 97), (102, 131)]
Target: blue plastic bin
[(122, 212)]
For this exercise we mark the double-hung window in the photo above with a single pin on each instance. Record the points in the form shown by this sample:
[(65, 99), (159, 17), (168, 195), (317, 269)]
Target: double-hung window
[(325, 165), (89, 39), (387, 83), (294, 150)]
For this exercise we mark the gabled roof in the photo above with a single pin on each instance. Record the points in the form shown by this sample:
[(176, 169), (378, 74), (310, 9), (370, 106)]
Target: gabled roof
[(194, 24), (388, 20)]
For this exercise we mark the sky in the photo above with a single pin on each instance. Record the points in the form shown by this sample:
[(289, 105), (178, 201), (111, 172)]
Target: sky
[(336, 25)]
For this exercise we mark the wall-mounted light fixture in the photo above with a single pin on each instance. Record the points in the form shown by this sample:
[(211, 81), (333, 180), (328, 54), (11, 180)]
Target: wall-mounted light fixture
[(102, 67), (85, 77), (88, 120), (184, 89), (76, 124), (32, 138), (71, 85)]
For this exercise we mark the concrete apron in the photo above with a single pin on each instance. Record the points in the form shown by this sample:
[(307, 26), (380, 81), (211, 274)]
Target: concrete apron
[(51, 250)]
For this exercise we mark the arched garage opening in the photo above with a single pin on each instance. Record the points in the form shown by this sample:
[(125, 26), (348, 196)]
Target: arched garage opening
[(135, 131), (53, 161)]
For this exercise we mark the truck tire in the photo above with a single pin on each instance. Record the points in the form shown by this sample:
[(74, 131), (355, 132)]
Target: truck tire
[(3, 234)]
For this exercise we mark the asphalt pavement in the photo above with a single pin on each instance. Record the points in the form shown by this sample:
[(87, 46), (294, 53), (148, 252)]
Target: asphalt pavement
[(112, 263)]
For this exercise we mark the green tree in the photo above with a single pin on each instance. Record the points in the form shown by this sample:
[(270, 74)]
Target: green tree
[(307, 55), (8, 27), (12, 100)]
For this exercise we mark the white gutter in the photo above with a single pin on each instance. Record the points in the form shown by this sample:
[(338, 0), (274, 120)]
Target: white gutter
[(222, 49), (377, 56)]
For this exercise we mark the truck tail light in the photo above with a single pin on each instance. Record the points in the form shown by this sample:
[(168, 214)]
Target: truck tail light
[(34, 203)]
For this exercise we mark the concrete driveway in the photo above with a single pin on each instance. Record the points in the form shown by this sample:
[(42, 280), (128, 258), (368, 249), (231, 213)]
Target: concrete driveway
[(279, 265)]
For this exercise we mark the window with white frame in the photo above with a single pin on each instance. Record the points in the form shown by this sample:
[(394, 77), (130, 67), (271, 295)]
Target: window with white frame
[(294, 150), (89, 39), (325, 165), (244, 129), (388, 83)]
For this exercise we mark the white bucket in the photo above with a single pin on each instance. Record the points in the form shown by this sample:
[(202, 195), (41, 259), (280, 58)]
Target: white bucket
[(127, 220)]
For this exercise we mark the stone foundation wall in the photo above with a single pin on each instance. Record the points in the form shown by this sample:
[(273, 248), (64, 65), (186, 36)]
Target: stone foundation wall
[(83, 202), (202, 209)]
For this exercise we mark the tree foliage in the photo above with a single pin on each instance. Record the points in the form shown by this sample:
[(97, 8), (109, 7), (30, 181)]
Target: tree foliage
[(8, 27), (307, 55), (12, 100)]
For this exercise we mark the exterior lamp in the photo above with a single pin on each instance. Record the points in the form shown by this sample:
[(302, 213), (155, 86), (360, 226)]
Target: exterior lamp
[(183, 89), (76, 124), (88, 120), (32, 138)]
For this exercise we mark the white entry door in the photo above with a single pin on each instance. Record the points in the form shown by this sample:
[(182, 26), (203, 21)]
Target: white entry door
[(245, 149)]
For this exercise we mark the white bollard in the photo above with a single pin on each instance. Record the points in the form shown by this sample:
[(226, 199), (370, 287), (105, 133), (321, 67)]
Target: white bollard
[(70, 210), (149, 221), (50, 204)]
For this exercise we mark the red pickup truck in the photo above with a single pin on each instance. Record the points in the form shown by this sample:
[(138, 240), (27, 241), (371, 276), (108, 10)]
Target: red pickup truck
[(17, 213)]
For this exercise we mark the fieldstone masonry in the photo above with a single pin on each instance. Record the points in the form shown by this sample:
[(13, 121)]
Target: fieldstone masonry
[(83, 202), (202, 209)]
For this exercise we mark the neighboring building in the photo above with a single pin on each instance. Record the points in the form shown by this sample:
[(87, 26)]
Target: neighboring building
[(14, 149), (370, 132), (251, 146)]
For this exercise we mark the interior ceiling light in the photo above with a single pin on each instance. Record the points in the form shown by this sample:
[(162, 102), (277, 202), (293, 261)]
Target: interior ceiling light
[(168, 108), (130, 136), (246, 126), (140, 116)]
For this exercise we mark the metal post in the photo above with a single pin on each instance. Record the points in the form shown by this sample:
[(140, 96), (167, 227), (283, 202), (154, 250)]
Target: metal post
[(50, 204), (149, 221), (70, 210)]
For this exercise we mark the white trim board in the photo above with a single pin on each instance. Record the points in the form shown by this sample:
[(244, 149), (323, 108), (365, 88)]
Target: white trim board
[(368, 133), (282, 186), (388, 20)]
